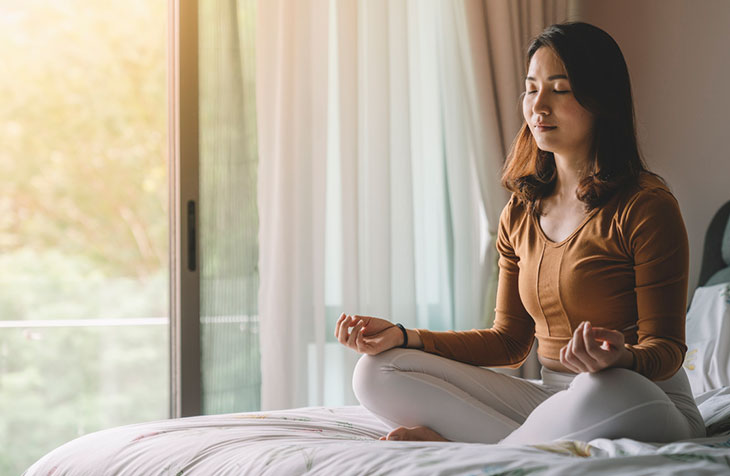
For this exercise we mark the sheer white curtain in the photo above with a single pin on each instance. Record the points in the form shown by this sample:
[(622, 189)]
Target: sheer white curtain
[(382, 132)]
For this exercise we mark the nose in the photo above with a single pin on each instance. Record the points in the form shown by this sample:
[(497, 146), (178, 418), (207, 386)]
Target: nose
[(541, 105)]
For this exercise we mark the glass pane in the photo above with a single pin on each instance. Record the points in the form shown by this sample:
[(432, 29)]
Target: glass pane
[(228, 214), (83, 221)]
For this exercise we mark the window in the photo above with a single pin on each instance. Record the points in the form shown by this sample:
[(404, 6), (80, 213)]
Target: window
[(84, 212)]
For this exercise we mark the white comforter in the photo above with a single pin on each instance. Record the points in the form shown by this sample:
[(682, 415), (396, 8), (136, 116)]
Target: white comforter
[(344, 441)]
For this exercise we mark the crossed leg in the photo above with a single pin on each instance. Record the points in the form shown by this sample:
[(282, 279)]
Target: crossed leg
[(425, 396), (422, 396), (614, 403)]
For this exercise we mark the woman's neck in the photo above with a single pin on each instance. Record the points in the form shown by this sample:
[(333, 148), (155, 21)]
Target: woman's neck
[(570, 171)]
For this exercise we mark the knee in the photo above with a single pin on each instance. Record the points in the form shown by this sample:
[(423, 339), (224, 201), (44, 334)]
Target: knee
[(610, 378), (365, 371), (606, 378), (615, 386), (371, 373)]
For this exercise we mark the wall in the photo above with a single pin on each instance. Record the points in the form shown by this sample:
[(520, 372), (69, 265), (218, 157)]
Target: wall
[(679, 61)]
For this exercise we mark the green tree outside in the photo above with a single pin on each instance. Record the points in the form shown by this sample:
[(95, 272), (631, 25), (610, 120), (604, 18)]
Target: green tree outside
[(83, 219)]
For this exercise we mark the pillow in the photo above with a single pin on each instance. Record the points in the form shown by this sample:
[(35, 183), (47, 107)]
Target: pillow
[(707, 361), (723, 276)]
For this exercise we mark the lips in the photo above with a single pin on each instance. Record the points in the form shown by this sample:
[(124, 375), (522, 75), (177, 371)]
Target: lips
[(544, 128)]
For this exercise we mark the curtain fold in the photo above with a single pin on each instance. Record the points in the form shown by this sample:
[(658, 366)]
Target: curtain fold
[(291, 96), (383, 126)]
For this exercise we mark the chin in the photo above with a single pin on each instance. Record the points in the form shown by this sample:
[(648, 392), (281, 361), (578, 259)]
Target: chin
[(546, 147)]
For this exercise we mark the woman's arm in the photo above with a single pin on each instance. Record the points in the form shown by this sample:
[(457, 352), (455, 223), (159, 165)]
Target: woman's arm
[(414, 340), (654, 235)]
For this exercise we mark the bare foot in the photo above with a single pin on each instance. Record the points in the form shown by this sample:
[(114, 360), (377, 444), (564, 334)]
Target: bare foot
[(417, 433)]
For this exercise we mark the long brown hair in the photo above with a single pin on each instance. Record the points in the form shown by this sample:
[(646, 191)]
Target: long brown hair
[(600, 82)]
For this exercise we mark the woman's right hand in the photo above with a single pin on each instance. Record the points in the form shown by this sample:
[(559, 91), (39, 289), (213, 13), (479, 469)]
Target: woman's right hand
[(370, 335)]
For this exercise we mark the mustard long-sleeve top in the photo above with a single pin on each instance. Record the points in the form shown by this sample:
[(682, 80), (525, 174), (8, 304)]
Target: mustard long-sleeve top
[(627, 263)]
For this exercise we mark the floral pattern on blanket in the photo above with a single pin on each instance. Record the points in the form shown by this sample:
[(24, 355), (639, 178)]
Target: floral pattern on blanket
[(570, 448)]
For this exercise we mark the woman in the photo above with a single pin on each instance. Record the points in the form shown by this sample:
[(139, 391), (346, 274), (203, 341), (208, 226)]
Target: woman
[(593, 263)]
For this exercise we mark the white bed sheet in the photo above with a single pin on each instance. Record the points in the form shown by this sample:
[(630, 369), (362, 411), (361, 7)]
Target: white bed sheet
[(344, 441)]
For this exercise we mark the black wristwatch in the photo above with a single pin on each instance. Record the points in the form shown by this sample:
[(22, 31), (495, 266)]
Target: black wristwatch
[(405, 335)]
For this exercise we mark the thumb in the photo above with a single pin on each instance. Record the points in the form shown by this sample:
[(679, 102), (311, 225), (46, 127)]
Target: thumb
[(615, 338), (365, 319)]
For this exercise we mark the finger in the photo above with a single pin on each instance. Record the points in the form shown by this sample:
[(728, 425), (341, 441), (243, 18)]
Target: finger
[(364, 320), (573, 359), (342, 336), (360, 340), (588, 345), (563, 359), (356, 318), (614, 338), (588, 353), (577, 355), (592, 347), (338, 324), (576, 343), (353, 335)]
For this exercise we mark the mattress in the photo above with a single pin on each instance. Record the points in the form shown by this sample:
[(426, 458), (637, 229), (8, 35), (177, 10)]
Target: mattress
[(345, 441)]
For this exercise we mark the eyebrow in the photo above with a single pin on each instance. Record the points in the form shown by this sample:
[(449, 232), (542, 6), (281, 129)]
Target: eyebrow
[(550, 78)]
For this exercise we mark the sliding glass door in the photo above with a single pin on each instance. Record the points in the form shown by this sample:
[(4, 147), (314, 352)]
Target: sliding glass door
[(217, 230), (230, 360), (216, 366)]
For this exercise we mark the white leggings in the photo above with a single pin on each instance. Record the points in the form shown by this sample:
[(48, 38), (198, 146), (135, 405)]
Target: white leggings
[(467, 403)]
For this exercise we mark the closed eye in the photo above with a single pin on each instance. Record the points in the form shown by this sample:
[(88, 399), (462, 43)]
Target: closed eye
[(555, 91)]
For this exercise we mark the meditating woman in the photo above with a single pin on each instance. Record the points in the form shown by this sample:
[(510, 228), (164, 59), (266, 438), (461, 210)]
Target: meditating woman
[(593, 263)]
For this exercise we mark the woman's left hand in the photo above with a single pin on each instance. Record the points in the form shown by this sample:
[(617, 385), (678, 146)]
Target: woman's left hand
[(592, 349)]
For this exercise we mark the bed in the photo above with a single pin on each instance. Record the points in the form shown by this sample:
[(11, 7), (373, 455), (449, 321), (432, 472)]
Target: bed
[(345, 440)]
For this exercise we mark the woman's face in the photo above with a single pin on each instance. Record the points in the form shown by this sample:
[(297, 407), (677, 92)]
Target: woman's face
[(557, 121)]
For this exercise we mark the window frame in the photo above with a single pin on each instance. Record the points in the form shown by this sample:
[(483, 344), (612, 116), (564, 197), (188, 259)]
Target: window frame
[(185, 349)]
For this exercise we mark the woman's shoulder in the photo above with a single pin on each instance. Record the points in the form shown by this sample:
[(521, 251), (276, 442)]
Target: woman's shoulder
[(512, 224), (648, 200), (649, 192), (514, 212), (650, 182)]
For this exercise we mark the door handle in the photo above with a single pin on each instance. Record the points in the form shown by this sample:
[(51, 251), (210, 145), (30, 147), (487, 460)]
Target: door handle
[(192, 255)]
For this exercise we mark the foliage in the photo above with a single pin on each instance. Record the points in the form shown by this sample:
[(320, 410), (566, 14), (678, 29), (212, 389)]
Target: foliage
[(84, 216), (83, 128), (83, 219), (60, 383)]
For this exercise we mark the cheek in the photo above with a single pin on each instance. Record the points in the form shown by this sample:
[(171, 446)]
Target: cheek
[(582, 119), (526, 109)]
